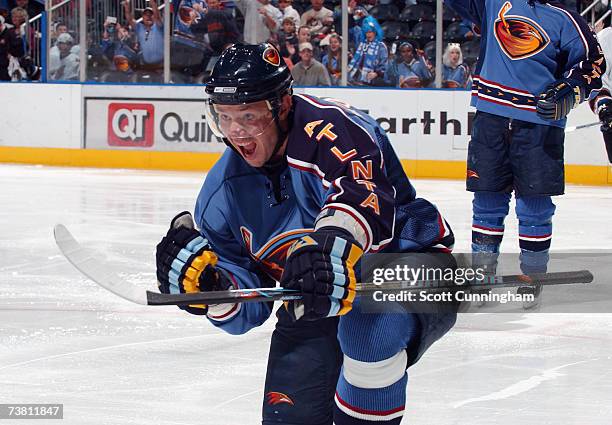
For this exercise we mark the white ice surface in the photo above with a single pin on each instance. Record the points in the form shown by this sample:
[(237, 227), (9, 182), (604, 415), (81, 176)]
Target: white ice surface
[(65, 340)]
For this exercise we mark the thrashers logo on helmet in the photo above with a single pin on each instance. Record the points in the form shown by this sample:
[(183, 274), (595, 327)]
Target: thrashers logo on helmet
[(271, 55)]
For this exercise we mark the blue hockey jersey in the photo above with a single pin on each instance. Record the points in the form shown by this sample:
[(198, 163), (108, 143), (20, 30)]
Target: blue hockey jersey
[(342, 171), (526, 45)]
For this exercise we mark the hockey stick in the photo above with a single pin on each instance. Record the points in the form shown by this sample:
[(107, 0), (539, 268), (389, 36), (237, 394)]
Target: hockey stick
[(88, 263), (368, 289), (581, 126)]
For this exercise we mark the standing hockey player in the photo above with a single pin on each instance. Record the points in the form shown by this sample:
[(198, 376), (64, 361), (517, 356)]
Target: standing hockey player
[(602, 105), (306, 187), (537, 61)]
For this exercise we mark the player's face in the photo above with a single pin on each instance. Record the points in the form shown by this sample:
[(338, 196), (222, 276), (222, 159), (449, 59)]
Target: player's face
[(250, 129)]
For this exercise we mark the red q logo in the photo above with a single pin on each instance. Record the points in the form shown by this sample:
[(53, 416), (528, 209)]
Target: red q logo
[(130, 124)]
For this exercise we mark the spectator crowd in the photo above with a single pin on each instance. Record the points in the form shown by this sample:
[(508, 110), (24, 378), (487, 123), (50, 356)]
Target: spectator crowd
[(390, 42), (15, 41)]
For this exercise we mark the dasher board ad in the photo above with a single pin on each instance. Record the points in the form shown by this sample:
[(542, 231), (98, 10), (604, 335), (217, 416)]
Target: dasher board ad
[(148, 125)]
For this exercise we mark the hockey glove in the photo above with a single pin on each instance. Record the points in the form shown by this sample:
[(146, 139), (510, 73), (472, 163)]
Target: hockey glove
[(603, 109), (186, 263), (321, 265), (559, 99)]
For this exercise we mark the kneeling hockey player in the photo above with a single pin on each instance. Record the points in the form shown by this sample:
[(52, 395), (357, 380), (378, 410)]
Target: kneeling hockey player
[(306, 187)]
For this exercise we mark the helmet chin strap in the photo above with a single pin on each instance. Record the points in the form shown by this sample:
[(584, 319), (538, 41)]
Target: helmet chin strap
[(275, 163)]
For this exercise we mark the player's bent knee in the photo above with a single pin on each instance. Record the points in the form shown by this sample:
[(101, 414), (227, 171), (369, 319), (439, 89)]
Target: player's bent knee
[(376, 337)]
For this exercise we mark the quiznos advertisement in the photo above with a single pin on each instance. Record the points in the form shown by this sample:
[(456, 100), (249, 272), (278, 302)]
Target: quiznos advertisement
[(419, 126)]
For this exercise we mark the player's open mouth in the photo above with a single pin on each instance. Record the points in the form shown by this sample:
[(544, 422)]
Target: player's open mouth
[(248, 149)]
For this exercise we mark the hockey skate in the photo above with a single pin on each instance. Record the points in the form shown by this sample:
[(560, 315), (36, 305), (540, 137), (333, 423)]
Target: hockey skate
[(536, 291)]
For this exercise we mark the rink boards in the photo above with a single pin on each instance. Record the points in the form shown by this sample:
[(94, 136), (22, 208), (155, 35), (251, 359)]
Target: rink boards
[(163, 127)]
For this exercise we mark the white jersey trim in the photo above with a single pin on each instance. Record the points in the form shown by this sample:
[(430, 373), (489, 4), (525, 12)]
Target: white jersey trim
[(345, 221), (356, 217), (223, 312)]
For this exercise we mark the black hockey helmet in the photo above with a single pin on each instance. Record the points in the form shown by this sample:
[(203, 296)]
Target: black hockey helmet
[(247, 73)]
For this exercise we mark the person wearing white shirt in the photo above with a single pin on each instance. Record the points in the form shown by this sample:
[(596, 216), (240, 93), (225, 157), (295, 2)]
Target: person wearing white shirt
[(289, 12), (318, 18), (64, 67), (261, 20)]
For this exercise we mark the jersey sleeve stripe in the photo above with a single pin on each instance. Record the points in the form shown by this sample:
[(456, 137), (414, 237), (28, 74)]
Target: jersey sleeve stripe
[(338, 186), (309, 168), (224, 312)]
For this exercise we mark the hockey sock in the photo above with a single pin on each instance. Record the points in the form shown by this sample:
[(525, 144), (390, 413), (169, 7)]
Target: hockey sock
[(535, 232), (489, 212), (372, 386)]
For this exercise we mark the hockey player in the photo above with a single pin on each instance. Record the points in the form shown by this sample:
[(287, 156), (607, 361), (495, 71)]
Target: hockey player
[(602, 105), (306, 187), (537, 61)]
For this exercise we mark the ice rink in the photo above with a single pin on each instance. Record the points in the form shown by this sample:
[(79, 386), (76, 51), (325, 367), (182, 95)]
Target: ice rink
[(65, 340)]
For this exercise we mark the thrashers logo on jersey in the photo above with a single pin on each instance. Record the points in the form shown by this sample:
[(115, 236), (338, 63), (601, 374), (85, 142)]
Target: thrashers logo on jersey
[(272, 254), (305, 241), (518, 36)]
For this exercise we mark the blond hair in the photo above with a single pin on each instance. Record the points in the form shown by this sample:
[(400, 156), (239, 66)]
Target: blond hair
[(446, 56)]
